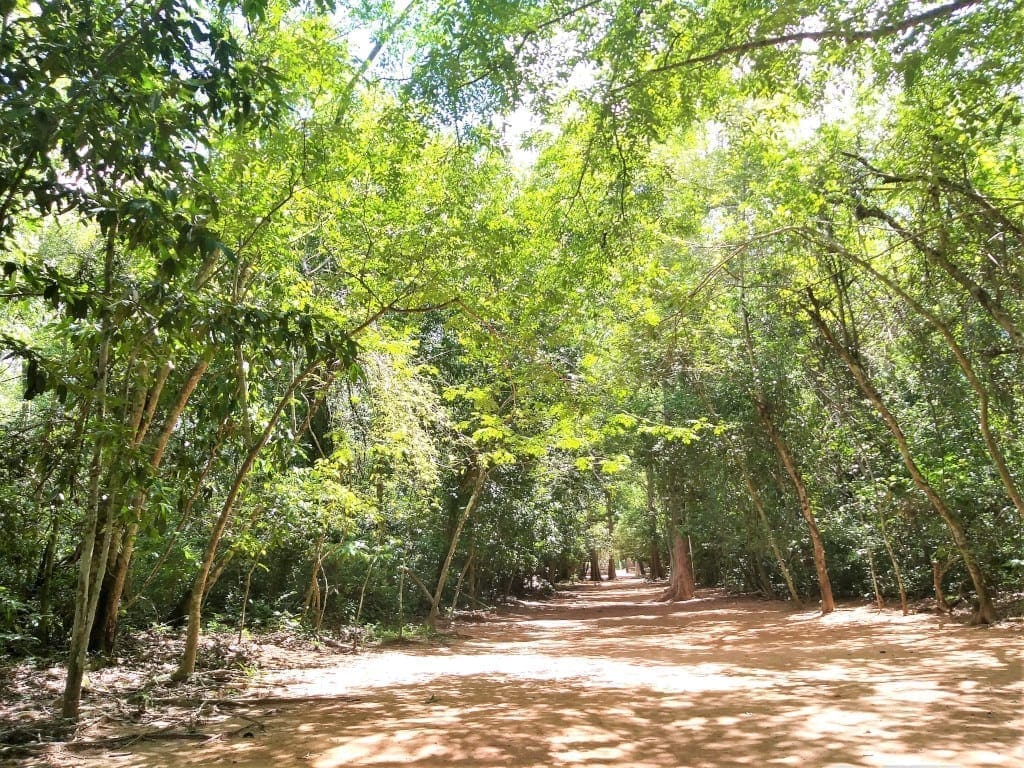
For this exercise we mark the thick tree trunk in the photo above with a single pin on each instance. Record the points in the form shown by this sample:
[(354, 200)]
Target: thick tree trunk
[(595, 566), (681, 584)]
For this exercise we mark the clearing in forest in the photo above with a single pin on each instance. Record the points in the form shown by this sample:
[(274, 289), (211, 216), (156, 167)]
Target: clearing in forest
[(603, 676)]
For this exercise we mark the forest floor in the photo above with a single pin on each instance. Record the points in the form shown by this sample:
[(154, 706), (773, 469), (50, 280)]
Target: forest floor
[(603, 676)]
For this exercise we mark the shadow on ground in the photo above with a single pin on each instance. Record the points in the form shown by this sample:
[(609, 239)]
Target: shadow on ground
[(605, 677)]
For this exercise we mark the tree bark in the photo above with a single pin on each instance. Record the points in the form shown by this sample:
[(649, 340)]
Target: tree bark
[(656, 570), (938, 572), (897, 573), (474, 498), (595, 565), (681, 584), (188, 660), (108, 615), (939, 258), (87, 588), (828, 603), (611, 531), (986, 613), (762, 515), (984, 425)]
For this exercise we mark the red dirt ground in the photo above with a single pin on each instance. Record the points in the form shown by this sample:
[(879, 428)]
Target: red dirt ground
[(603, 676)]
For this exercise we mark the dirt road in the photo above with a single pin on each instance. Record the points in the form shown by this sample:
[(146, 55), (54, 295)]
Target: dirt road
[(602, 676)]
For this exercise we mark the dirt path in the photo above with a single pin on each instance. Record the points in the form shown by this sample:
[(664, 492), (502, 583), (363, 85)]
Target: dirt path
[(602, 676)]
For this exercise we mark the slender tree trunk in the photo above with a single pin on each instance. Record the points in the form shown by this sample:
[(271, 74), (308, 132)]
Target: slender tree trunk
[(184, 516), (311, 600), (46, 580), (817, 545), (938, 573), (108, 615), (939, 258), (87, 589), (362, 591), (879, 600), (611, 531), (474, 498), (897, 573), (980, 391), (789, 463), (656, 570), (762, 515), (986, 613), (188, 660), (245, 597), (458, 585)]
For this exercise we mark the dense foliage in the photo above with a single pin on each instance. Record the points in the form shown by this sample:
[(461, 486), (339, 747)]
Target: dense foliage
[(295, 332)]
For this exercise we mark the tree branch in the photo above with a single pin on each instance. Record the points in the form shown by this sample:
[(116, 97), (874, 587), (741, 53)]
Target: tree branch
[(834, 33)]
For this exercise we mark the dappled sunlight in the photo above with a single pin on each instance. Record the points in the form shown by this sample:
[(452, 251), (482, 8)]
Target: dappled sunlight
[(715, 682)]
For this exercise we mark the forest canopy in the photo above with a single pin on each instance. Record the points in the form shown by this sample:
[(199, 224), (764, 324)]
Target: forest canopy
[(322, 314)]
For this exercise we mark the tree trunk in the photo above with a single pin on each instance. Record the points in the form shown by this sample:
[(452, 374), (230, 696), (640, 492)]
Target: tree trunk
[(984, 420), (595, 565), (611, 531), (657, 571), (789, 463), (986, 613), (458, 586), (113, 588), (817, 545), (897, 573), (87, 588), (938, 572), (939, 258), (195, 603), (762, 515), (879, 600), (681, 584), (474, 498)]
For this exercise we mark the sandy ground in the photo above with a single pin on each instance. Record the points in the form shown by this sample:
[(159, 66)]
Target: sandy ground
[(602, 676)]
